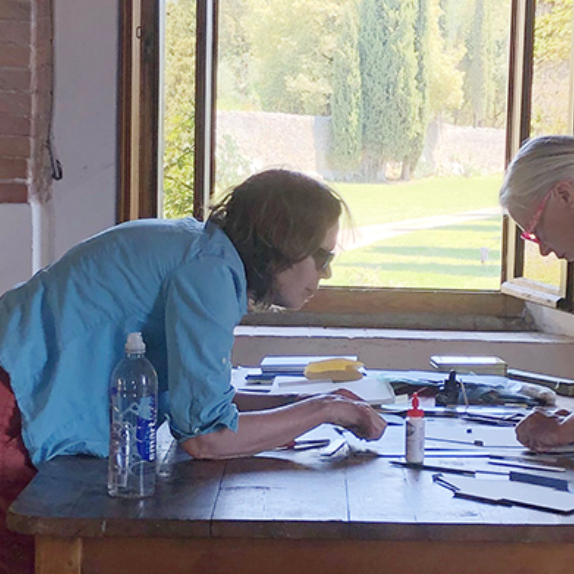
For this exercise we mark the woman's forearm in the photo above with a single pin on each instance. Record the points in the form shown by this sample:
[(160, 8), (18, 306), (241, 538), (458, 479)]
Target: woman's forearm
[(259, 401), (265, 430)]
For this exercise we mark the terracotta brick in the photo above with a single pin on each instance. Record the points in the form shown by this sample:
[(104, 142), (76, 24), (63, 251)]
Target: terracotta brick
[(17, 10), (43, 28), (17, 33), (42, 79), (11, 125), (13, 193), (16, 79), (12, 56), (43, 9), (13, 168), (16, 103), (15, 147), (19, 147), (42, 110), (42, 53)]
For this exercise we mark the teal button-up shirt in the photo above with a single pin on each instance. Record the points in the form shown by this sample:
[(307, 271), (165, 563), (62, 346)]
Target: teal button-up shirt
[(180, 283)]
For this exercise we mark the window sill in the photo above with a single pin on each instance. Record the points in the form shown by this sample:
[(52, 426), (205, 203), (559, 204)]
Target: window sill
[(403, 309)]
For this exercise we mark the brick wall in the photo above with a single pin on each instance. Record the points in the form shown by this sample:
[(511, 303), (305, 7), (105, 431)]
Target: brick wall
[(26, 67)]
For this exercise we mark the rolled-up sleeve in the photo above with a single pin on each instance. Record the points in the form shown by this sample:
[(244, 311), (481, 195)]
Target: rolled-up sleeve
[(204, 303)]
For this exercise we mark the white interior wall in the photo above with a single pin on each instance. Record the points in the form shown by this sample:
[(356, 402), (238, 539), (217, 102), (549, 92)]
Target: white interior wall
[(16, 244), (85, 119)]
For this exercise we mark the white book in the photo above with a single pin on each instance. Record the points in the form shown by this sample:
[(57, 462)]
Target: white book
[(469, 364), (369, 389)]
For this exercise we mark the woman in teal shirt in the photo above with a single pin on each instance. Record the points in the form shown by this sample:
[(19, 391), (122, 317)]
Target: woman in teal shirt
[(185, 286)]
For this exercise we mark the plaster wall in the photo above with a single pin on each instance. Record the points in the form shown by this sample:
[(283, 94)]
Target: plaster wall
[(85, 119), (83, 202), (16, 242)]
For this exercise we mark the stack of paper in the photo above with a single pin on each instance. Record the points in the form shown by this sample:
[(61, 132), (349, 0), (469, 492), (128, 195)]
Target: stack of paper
[(469, 364), (369, 389)]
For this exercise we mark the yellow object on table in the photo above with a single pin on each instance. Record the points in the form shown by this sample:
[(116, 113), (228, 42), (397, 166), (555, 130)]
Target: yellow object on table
[(336, 370)]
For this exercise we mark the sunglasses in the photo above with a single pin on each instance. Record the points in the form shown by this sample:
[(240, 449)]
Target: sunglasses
[(323, 258), (528, 233)]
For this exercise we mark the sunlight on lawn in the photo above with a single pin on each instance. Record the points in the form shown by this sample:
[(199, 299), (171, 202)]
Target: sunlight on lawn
[(446, 258), (465, 255), (382, 203)]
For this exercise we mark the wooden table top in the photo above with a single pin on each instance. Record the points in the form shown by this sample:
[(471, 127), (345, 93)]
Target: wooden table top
[(286, 495)]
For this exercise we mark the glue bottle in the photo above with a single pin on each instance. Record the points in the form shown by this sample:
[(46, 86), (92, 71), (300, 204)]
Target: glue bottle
[(133, 414), (415, 433)]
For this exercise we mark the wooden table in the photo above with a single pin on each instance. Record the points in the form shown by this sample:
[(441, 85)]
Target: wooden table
[(283, 512)]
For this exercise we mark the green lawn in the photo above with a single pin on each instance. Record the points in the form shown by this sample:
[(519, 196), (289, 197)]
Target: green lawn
[(446, 257), (442, 258), (380, 203)]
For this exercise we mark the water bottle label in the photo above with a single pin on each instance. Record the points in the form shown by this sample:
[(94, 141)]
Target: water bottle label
[(145, 428), (133, 436)]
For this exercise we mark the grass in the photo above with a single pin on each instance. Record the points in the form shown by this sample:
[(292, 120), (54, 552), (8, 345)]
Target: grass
[(382, 203), (447, 257), (442, 258), (544, 269)]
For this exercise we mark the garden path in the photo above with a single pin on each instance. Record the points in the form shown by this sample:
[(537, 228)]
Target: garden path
[(369, 234)]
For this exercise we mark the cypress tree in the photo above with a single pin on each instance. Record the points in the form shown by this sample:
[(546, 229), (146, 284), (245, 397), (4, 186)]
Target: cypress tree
[(388, 69), (346, 120), (479, 80), (422, 49)]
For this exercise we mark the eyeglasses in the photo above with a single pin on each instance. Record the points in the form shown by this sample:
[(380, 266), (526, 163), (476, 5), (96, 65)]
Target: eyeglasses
[(528, 233), (323, 258)]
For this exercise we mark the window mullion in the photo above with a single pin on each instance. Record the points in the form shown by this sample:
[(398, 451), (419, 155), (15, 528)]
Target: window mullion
[(518, 117), (205, 91)]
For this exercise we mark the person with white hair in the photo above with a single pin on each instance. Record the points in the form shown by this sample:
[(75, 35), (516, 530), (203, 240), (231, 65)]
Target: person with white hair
[(538, 192)]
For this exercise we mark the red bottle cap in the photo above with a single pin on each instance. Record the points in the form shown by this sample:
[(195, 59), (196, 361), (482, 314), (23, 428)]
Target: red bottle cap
[(415, 410)]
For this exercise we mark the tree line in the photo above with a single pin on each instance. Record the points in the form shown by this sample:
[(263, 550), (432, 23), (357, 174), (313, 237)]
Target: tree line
[(380, 69)]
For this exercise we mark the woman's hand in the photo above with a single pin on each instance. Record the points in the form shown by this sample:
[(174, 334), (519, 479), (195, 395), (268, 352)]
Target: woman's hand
[(356, 415), (541, 430), (267, 429)]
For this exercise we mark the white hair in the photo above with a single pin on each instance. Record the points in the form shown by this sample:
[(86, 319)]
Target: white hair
[(540, 163)]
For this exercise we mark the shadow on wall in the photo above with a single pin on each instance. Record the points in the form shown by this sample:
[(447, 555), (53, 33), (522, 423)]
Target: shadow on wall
[(266, 139)]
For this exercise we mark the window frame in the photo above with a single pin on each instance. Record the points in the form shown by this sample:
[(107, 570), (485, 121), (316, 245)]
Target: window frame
[(139, 82), (518, 129)]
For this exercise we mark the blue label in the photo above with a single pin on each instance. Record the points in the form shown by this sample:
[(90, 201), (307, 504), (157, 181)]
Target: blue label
[(145, 430)]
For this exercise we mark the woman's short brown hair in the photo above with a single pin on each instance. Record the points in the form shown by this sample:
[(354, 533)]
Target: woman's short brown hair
[(274, 219)]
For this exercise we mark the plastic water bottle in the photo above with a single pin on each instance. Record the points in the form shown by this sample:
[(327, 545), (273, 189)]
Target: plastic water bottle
[(133, 420), (415, 433)]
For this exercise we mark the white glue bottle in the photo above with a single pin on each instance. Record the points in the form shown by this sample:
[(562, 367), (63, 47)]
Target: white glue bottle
[(415, 433)]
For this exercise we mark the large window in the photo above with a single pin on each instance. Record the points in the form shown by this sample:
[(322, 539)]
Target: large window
[(415, 139)]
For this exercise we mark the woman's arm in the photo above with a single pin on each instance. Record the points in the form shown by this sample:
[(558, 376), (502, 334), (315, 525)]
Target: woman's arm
[(264, 430), (260, 401), (254, 401)]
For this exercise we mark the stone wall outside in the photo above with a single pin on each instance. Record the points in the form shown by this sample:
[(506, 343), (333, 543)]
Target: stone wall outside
[(266, 139)]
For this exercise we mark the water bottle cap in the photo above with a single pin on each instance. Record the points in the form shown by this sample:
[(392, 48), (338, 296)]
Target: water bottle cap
[(135, 343)]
